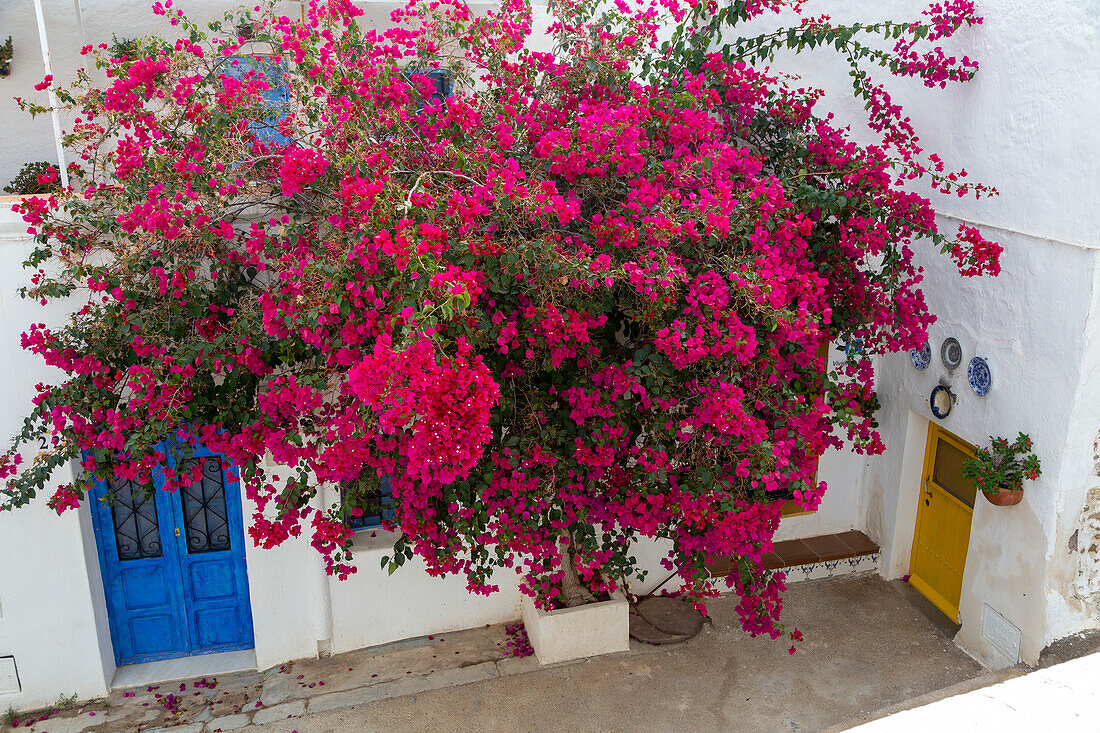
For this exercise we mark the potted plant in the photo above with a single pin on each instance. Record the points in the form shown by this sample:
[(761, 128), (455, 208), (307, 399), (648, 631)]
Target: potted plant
[(5, 57), (597, 625), (123, 48), (35, 178), (999, 471)]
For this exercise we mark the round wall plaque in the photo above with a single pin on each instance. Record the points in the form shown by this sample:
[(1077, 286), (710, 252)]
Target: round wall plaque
[(941, 401)]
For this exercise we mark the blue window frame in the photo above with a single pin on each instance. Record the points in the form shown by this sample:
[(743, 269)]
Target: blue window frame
[(371, 519), (440, 77), (273, 71)]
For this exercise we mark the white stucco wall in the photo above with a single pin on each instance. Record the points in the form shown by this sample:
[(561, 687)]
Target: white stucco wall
[(28, 140), (844, 505), (53, 616), (372, 607), (285, 587), (299, 611), (1036, 365), (1023, 125), (51, 597), (1073, 569)]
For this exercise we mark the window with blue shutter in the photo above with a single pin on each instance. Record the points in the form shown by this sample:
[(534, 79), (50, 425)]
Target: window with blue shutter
[(375, 509), (441, 78), (273, 71)]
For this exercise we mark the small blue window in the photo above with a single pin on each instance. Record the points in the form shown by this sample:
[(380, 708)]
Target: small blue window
[(371, 520), (273, 71), (440, 77)]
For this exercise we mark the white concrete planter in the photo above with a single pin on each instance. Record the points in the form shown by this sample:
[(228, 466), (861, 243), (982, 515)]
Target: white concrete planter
[(572, 633)]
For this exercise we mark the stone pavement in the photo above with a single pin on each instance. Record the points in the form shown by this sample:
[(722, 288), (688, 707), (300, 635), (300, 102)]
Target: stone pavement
[(867, 651), (231, 701)]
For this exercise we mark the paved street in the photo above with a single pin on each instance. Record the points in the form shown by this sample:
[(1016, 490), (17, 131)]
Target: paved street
[(867, 649)]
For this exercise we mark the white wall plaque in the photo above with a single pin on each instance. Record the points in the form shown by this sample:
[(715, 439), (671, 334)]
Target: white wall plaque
[(9, 678), (999, 632)]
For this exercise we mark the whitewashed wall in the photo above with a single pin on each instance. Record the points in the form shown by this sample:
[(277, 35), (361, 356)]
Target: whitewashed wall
[(372, 607), (58, 631), (27, 140), (1037, 371), (1024, 125), (53, 617), (52, 613), (844, 505)]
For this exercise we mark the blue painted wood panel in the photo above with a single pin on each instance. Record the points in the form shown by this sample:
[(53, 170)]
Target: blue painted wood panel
[(211, 557), (140, 573), (165, 598)]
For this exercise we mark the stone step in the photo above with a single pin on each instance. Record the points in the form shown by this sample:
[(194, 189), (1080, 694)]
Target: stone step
[(823, 556)]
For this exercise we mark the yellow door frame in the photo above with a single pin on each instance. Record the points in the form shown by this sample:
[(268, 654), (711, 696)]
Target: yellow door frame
[(945, 503)]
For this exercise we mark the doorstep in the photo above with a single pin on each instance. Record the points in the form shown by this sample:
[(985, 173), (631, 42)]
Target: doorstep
[(170, 670), (809, 558)]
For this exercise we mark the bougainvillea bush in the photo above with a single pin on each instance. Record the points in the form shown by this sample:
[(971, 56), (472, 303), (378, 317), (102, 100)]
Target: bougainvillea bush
[(580, 301)]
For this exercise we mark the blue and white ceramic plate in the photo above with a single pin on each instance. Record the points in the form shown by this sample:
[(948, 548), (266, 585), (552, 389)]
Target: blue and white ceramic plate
[(951, 353), (981, 379), (941, 401), (921, 357)]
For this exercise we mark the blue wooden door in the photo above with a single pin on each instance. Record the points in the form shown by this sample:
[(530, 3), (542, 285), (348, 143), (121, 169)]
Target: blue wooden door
[(211, 557), (173, 565), (140, 572)]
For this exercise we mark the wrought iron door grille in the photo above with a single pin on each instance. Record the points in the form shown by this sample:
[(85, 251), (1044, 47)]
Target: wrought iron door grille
[(205, 516), (134, 513)]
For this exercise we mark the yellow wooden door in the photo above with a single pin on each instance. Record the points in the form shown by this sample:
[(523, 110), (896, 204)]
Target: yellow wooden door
[(944, 512)]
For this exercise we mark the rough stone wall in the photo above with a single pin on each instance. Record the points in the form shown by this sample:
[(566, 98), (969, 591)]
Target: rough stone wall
[(1085, 541)]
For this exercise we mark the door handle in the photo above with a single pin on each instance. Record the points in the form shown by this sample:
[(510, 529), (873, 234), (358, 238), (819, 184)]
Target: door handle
[(177, 531), (926, 491)]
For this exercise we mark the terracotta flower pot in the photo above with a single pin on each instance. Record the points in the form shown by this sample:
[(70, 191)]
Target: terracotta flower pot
[(1005, 497)]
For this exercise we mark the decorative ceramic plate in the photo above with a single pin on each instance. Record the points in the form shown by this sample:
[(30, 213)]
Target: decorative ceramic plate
[(921, 357), (941, 401), (981, 379), (951, 353)]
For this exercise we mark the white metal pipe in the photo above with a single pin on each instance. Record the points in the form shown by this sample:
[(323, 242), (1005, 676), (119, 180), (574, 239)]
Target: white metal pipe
[(79, 21), (54, 103)]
